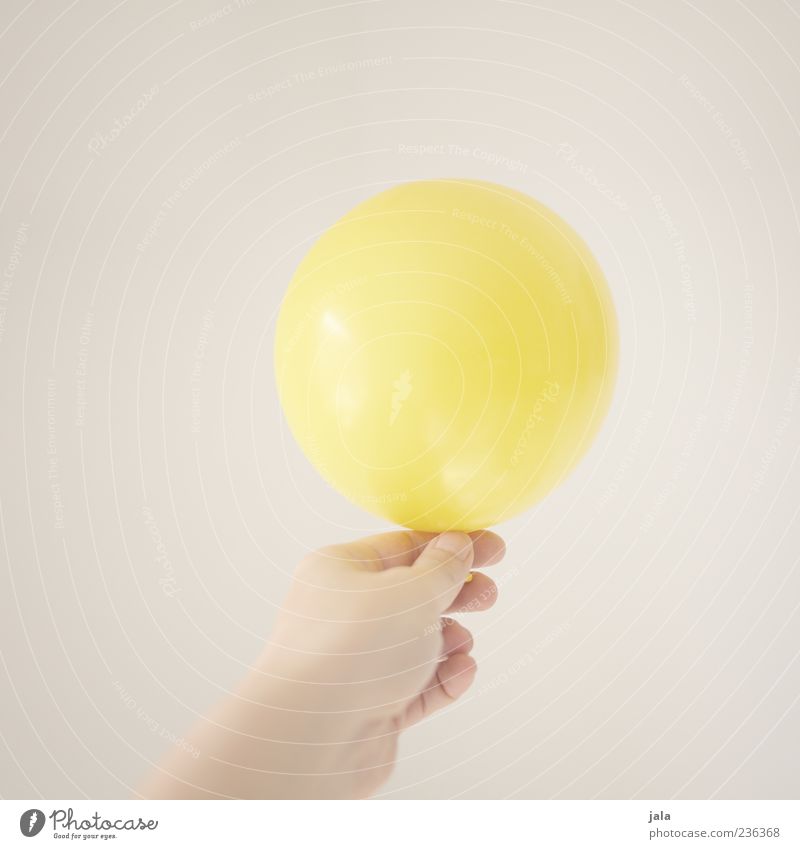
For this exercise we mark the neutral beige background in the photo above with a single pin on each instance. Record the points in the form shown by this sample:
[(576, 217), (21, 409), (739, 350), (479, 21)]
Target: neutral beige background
[(151, 503)]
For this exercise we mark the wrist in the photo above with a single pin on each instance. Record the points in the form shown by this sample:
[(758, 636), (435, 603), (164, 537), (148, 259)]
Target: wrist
[(300, 700)]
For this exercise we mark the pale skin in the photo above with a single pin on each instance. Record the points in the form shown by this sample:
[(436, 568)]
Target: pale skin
[(361, 650)]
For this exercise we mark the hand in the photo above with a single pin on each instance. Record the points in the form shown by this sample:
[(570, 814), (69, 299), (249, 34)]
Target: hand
[(360, 651)]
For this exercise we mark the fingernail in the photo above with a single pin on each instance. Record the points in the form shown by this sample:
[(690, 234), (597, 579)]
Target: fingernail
[(454, 542), (468, 579)]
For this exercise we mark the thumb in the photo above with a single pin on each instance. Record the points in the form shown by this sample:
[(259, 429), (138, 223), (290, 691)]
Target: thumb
[(443, 566)]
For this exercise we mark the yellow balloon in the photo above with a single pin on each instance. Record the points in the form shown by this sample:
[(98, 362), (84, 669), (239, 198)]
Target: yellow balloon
[(446, 353)]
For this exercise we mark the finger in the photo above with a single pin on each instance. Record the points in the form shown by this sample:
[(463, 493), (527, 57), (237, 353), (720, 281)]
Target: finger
[(384, 551), (402, 548), (456, 639), (489, 548), (479, 594), (440, 570), (453, 677)]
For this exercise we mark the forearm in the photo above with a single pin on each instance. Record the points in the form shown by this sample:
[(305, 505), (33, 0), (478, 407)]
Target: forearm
[(270, 739)]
